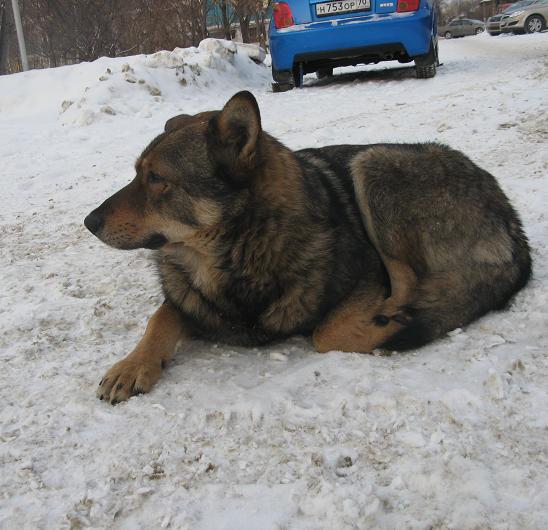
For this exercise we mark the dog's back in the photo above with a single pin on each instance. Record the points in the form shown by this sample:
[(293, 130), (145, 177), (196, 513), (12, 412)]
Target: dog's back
[(433, 209)]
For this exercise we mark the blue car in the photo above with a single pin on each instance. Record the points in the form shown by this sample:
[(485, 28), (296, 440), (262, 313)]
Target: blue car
[(316, 36)]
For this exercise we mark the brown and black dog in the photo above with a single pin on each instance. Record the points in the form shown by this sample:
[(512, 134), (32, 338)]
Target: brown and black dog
[(362, 247)]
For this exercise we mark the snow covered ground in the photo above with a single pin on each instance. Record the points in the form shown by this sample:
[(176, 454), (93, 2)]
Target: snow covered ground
[(454, 435)]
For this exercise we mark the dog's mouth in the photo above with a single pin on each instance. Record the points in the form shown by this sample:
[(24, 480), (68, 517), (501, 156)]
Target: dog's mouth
[(155, 241)]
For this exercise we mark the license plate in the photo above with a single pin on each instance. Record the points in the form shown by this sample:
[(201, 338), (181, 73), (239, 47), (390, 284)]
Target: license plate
[(334, 8)]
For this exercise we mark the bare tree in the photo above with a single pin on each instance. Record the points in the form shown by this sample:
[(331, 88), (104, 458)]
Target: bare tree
[(67, 31), (224, 6), (6, 31), (261, 15), (252, 14)]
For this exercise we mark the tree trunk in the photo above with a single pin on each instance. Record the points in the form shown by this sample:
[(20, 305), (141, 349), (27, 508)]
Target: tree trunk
[(204, 13), (261, 28), (52, 57), (5, 32), (243, 17), (244, 22), (226, 22)]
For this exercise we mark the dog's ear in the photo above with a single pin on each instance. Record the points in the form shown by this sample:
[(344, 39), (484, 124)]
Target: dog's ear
[(176, 122), (234, 136), (183, 120)]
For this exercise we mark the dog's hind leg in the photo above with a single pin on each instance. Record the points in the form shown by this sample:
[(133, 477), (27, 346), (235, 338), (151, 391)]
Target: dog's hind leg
[(398, 260), (140, 370), (351, 326), (403, 283), (387, 219), (372, 316)]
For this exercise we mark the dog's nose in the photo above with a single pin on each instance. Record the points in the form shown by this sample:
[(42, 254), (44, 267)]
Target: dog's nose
[(94, 222)]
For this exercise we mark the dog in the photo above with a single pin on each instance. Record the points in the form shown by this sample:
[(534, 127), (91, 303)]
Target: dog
[(361, 247)]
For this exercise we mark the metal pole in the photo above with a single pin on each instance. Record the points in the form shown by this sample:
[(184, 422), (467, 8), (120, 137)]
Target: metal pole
[(20, 36)]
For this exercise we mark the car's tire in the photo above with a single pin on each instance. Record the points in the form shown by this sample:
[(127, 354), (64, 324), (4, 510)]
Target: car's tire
[(426, 65), (479, 30), (426, 72), (494, 33), (448, 35), (322, 73), (298, 76), (282, 77), (283, 80), (281, 87), (534, 24)]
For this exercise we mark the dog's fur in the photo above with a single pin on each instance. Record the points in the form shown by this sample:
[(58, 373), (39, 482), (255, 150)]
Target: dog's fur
[(362, 247)]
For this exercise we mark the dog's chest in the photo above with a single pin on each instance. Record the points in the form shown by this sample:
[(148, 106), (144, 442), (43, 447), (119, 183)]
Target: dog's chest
[(189, 276), (232, 308), (198, 286), (203, 273)]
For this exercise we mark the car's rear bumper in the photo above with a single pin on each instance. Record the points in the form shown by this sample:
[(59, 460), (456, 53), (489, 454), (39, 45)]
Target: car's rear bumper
[(412, 32)]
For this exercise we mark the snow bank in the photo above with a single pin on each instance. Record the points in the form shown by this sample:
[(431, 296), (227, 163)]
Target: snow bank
[(137, 85)]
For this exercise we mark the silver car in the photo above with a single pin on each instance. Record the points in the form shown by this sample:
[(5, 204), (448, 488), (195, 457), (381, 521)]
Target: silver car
[(493, 23), (530, 19), (461, 27)]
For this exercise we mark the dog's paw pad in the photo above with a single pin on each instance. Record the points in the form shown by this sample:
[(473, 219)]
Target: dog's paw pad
[(381, 320), (401, 318)]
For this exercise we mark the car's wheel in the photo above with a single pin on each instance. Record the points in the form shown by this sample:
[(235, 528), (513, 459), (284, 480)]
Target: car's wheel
[(298, 75), (534, 24), (448, 35), (494, 33), (322, 73), (425, 65), (283, 80), (479, 30), (281, 87)]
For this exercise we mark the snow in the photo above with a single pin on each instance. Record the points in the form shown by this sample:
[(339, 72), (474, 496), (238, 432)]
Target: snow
[(453, 435)]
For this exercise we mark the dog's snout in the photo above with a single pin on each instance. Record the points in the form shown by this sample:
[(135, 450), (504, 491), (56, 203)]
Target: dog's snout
[(94, 222)]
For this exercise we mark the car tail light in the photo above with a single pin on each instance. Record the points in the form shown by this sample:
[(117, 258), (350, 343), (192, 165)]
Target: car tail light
[(283, 18), (407, 5)]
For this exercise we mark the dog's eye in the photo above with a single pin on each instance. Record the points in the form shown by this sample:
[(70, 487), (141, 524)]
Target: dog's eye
[(154, 179)]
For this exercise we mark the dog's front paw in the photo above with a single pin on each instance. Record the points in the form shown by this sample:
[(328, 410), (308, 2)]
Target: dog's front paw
[(129, 377)]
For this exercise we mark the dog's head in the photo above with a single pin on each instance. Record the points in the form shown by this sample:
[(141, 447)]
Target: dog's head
[(186, 180)]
